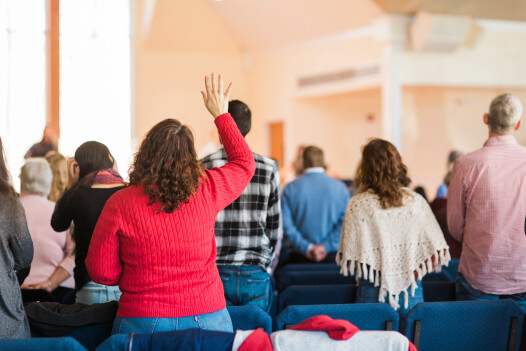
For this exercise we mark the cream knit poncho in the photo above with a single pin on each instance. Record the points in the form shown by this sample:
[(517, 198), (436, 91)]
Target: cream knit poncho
[(387, 246)]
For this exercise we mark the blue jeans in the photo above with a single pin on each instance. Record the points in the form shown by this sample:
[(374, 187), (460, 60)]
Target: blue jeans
[(218, 321), (367, 292), (246, 285), (465, 293), (92, 293)]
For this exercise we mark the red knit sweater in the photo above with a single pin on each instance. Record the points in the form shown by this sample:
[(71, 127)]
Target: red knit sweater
[(165, 263)]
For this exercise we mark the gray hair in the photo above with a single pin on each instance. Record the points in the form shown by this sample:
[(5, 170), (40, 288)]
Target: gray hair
[(505, 111), (36, 176)]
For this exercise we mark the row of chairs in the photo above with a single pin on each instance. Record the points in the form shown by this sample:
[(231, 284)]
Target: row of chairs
[(90, 337), (434, 291), (463, 325), (466, 325), (323, 274)]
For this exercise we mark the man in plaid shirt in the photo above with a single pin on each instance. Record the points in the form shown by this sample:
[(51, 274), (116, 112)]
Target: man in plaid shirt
[(247, 230)]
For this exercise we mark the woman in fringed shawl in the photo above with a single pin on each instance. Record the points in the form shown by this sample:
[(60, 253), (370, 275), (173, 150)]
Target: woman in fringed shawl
[(390, 237)]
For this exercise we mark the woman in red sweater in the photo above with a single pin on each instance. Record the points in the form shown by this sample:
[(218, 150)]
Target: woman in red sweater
[(155, 239)]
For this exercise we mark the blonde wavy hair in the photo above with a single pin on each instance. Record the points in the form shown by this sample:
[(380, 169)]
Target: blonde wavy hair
[(59, 168)]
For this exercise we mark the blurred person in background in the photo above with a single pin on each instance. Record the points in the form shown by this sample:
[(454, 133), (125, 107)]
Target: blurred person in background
[(439, 208), (421, 191), (53, 261), (294, 169), (451, 158), (48, 143), (313, 207), (59, 168), (16, 253), (92, 180)]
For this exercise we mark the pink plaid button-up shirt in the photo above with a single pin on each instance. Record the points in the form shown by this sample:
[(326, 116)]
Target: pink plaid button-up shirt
[(486, 210)]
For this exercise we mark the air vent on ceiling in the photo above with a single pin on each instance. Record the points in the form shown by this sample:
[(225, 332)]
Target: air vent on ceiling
[(341, 76)]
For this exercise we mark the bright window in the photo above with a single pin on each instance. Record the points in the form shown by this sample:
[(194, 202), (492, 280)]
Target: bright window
[(22, 78), (95, 76)]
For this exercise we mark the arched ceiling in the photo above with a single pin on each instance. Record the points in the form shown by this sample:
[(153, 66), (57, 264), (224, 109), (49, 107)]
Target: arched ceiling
[(263, 25)]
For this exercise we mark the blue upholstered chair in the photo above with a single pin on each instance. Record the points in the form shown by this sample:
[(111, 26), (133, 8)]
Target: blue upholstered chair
[(439, 291), (366, 316), (189, 339), (465, 325), (249, 317), (316, 295), (89, 336), (41, 344), (523, 342), (313, 278), (115, 342), (308, 267)]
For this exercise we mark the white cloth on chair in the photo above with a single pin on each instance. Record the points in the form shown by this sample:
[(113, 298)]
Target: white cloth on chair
[(299, 340)]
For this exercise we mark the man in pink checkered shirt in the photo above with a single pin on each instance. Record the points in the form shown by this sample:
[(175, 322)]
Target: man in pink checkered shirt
[(486, 210)]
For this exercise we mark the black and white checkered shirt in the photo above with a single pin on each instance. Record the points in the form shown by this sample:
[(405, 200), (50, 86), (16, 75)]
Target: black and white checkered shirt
[(247, 230)]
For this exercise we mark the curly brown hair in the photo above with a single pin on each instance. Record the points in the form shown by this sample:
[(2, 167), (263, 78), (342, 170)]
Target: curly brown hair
[(166, 165), (382, 171)]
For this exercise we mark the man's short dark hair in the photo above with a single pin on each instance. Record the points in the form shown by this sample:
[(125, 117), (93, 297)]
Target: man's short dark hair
[(241, 115), (313, 157)]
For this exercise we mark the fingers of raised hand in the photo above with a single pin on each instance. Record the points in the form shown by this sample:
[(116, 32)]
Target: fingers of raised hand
[(208, 85), (220, 84), (227, 92), (214, 83)]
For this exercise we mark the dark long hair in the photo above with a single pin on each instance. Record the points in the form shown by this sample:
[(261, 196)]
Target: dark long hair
[(92, 156), (382, 171), (166, 165), (12, 208), (5, 178)]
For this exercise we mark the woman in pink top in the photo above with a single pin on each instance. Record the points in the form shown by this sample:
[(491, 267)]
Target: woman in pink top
[(53, 261)]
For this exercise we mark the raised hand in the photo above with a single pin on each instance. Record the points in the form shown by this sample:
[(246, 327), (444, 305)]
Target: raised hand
[(215, 99)]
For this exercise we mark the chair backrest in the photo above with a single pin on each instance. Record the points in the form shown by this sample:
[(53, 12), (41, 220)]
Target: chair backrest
[(308, 267), (316, 295), (31, 344), (313, 278), (115, 342), (188, 339), (249, 318), (366, 316), (523, 342), (91, 336), (465, 325), (439, 291)]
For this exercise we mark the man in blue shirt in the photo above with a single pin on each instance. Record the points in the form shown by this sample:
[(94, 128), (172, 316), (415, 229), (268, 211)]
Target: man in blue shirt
[(313, 207)]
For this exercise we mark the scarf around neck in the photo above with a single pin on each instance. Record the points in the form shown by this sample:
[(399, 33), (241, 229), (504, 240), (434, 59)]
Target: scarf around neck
[(105, 176)]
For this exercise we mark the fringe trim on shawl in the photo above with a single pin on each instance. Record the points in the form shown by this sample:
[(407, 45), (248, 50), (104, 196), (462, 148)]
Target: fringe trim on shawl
[(373, 275)]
